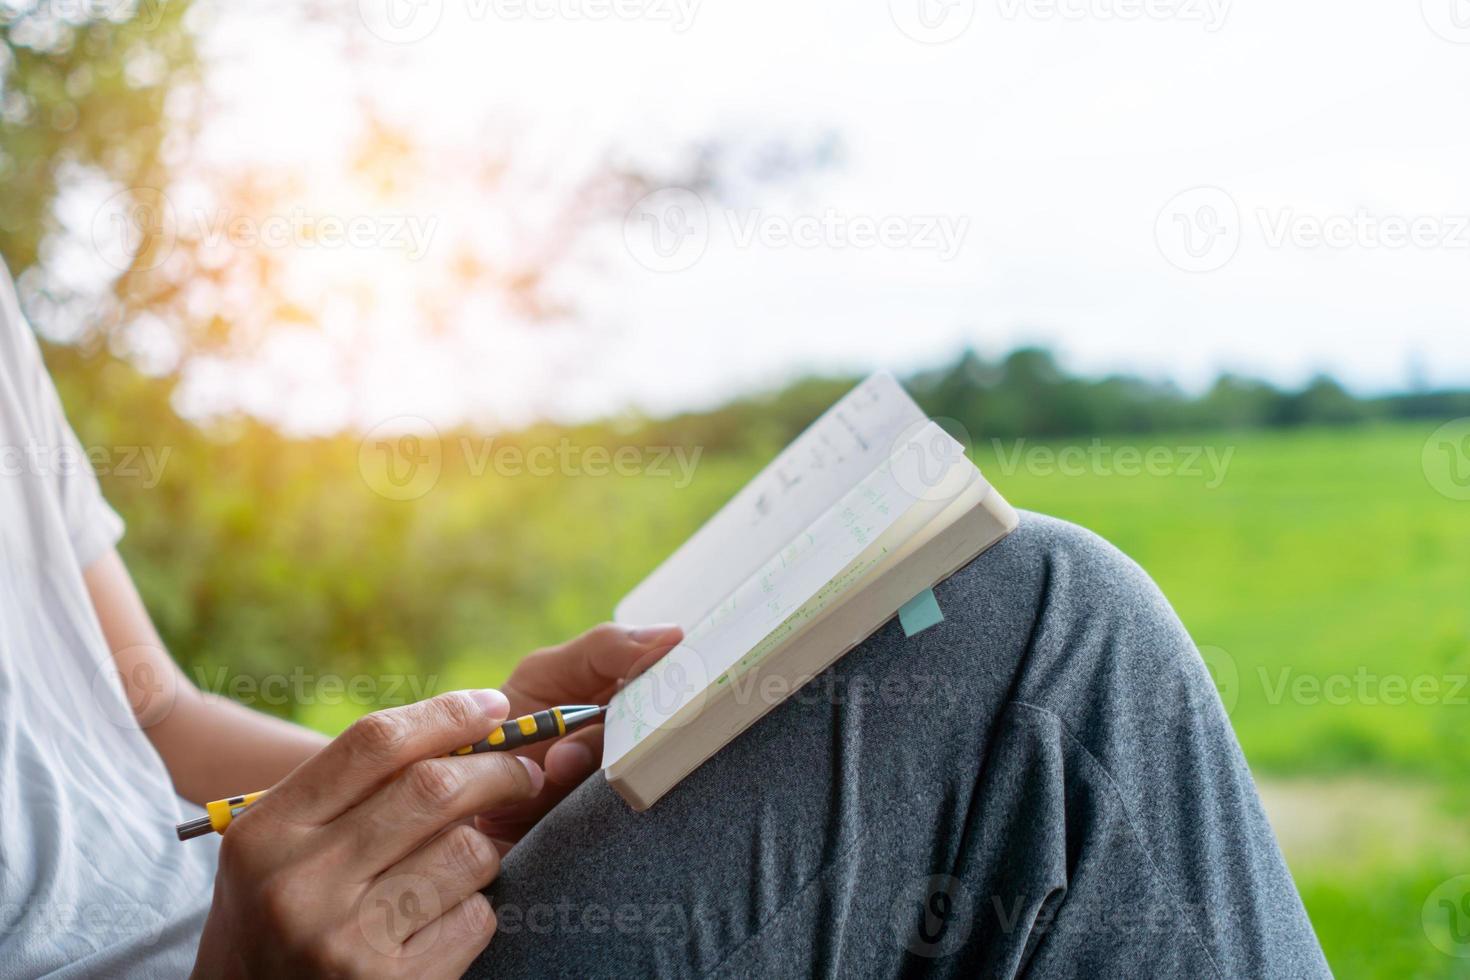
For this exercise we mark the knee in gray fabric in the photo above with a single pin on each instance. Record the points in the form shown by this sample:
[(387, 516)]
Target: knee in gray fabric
[(1056, 560), (1105, 635), (1078, 603)]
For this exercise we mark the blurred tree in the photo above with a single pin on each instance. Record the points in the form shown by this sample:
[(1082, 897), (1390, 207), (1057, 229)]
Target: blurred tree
[(1236, 402), (85, 92), (1322, 400), (100, 101)]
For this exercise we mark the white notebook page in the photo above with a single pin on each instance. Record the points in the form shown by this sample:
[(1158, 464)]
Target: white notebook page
[(848, 442)]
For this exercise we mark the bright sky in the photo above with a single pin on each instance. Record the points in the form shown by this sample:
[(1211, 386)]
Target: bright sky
[(1028, 177)]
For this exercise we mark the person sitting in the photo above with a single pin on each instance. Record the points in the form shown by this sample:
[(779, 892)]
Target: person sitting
[(1043, 784)]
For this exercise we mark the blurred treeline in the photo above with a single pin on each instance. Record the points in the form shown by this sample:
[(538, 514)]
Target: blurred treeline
[(259, 553), (1027, 393)]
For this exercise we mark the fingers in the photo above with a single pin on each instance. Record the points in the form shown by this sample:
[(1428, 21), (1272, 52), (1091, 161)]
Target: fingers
[(430, 795), (377, 746), (452, 942), (567, 763), (456, 864), (575, 757), (590, 666), (405, 930)]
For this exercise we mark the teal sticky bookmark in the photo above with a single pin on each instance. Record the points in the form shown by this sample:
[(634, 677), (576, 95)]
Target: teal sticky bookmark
[(920, 613)]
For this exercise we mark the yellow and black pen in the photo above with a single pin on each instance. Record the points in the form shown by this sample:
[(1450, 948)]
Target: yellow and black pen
[(537, 727)]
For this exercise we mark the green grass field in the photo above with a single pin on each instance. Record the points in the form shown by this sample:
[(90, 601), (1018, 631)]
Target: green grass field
[(1323, 576)]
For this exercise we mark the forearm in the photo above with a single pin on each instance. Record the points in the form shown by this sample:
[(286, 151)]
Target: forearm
[(212, 747)]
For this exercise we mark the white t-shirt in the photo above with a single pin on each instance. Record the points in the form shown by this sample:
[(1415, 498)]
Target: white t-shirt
[(93, 881)]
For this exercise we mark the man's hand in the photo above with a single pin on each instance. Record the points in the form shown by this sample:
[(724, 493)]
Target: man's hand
[(363, 859), (361, 862), (586, 670)]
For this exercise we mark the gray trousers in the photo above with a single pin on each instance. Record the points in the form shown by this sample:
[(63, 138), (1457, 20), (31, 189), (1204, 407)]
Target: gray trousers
[(1044, 784)]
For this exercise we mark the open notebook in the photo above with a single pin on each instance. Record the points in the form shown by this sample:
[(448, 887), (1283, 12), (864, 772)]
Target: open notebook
[(869, 506)]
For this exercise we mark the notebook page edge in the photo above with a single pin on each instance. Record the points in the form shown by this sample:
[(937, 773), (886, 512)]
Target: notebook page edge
[(645, 601)]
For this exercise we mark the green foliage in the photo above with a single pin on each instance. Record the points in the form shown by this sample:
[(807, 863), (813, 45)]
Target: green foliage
[(84, 92)]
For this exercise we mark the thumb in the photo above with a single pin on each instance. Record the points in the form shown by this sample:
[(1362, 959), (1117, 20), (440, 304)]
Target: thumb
[(594, 662)]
